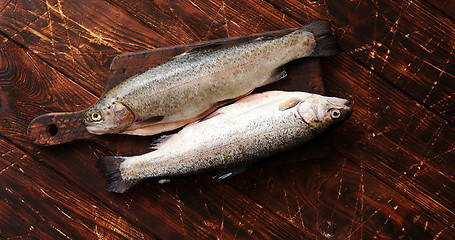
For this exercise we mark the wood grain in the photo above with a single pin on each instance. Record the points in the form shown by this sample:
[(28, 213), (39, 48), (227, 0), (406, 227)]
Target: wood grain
[(387, 173), (41, 203), (337, 192), (81, 46), (415, 54), (446, 6), (206, 20), (402, 143), (30, 88)]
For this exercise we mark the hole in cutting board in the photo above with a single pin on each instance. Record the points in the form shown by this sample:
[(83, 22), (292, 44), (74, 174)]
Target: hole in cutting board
[(52, 130)]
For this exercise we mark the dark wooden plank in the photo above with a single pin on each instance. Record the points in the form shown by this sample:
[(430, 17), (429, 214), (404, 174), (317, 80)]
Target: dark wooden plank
[(410, 44), (193, 21), (30, 88), (39, 203), (5, 157), (335, 198), (420, 172), (396, 139), (445, 6), (230, 215), (81, 46), (164, 19)]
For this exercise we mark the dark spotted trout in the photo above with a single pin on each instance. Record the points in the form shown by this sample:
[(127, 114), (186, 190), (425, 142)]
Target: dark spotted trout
[(195, 83), (233, 137)]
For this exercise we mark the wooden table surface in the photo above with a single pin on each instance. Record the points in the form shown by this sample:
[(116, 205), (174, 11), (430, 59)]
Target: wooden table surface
[(388, 172)]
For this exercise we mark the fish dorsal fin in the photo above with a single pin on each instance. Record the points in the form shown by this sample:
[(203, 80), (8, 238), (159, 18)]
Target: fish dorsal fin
[(203, 48), (153, 119)]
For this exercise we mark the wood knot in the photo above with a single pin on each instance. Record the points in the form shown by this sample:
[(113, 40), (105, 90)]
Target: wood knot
[(3, 100), (7, 67)]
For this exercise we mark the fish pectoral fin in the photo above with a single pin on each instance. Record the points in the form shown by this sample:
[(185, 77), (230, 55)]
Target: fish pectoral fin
[(146, 122), (211, 115), (223, 174), (153, 119), (151, 128), (277, 75), (146, 127), (220, 104), (288, 104)]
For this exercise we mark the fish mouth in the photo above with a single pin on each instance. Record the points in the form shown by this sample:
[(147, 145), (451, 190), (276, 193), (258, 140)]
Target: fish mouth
[(347, 111), (93, 130), (97, 129)]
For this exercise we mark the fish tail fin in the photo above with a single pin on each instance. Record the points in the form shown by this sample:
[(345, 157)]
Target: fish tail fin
[(325, 42), (110, 166)]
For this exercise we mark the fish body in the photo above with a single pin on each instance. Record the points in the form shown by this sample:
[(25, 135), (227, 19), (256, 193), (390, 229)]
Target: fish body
[(234, 136), (195, 83)]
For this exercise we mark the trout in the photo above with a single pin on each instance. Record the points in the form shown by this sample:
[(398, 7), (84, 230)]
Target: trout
[(193, 84), (233, 137)]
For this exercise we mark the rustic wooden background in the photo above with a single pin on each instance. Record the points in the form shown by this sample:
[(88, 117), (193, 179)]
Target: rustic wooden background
[(388, 174)]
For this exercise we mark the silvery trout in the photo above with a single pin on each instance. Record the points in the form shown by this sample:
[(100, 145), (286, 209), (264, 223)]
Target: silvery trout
[(195, 83), (234, 136)]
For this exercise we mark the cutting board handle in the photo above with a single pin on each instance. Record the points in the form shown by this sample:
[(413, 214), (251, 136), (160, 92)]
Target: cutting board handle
[(58, 128)]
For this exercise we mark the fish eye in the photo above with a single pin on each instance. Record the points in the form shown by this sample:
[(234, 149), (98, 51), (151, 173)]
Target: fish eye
[(96, 116), (335, 114)]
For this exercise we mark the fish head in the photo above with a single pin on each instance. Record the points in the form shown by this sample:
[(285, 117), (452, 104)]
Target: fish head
[(108, 118), (321, 112)]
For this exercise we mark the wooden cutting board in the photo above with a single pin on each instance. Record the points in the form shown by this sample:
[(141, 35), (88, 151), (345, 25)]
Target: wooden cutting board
[(64, 127)]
